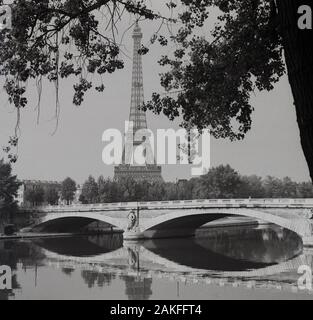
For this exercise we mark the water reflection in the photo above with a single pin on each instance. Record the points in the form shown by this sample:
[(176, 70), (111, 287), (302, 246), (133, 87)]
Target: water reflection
[(265, 245), (10, 254), (104, 262), (93, 278), (234, 249), (82, 246), (137, 288)]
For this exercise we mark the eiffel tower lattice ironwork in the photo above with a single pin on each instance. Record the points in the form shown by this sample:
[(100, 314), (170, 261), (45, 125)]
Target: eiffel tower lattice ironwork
[(138, 121)]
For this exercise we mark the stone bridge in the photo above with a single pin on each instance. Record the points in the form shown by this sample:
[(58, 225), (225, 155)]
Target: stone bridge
[(147, 220)]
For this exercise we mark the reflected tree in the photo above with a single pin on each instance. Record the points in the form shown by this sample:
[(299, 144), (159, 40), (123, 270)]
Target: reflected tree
[(68, 271), (138, 288), (94, 278)]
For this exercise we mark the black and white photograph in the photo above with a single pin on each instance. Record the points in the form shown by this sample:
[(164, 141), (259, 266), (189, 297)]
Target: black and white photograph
[(156, 154)]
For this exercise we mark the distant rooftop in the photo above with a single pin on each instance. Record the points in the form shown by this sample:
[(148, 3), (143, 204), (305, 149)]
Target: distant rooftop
[(39, 182)]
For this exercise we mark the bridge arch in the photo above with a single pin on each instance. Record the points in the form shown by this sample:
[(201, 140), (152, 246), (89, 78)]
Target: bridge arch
[(82, 218), (193, 219)]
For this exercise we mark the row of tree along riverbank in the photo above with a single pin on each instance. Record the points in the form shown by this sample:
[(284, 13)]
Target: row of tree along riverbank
[(221, 182)]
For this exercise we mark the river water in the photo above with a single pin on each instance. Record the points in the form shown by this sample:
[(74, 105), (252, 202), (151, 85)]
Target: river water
[(221, 263)]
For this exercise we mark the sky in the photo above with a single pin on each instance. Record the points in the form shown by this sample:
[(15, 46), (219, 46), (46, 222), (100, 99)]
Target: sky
[(272, 147)]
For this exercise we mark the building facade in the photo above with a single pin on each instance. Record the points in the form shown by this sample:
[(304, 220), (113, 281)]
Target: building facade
[(27, 185), (32, 185)]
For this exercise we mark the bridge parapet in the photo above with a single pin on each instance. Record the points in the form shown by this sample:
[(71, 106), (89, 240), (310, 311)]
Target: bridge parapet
[(210, 203)]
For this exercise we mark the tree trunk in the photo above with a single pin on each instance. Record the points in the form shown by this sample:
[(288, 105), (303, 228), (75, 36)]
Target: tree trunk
[(299, 59)]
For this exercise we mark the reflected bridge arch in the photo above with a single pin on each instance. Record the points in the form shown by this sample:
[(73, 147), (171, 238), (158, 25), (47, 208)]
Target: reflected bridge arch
[(107, 262)]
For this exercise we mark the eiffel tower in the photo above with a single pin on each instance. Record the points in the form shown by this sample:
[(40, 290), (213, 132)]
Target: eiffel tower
[(128, 169)]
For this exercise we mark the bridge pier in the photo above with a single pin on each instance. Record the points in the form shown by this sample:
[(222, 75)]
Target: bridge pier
[(307, 233)]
